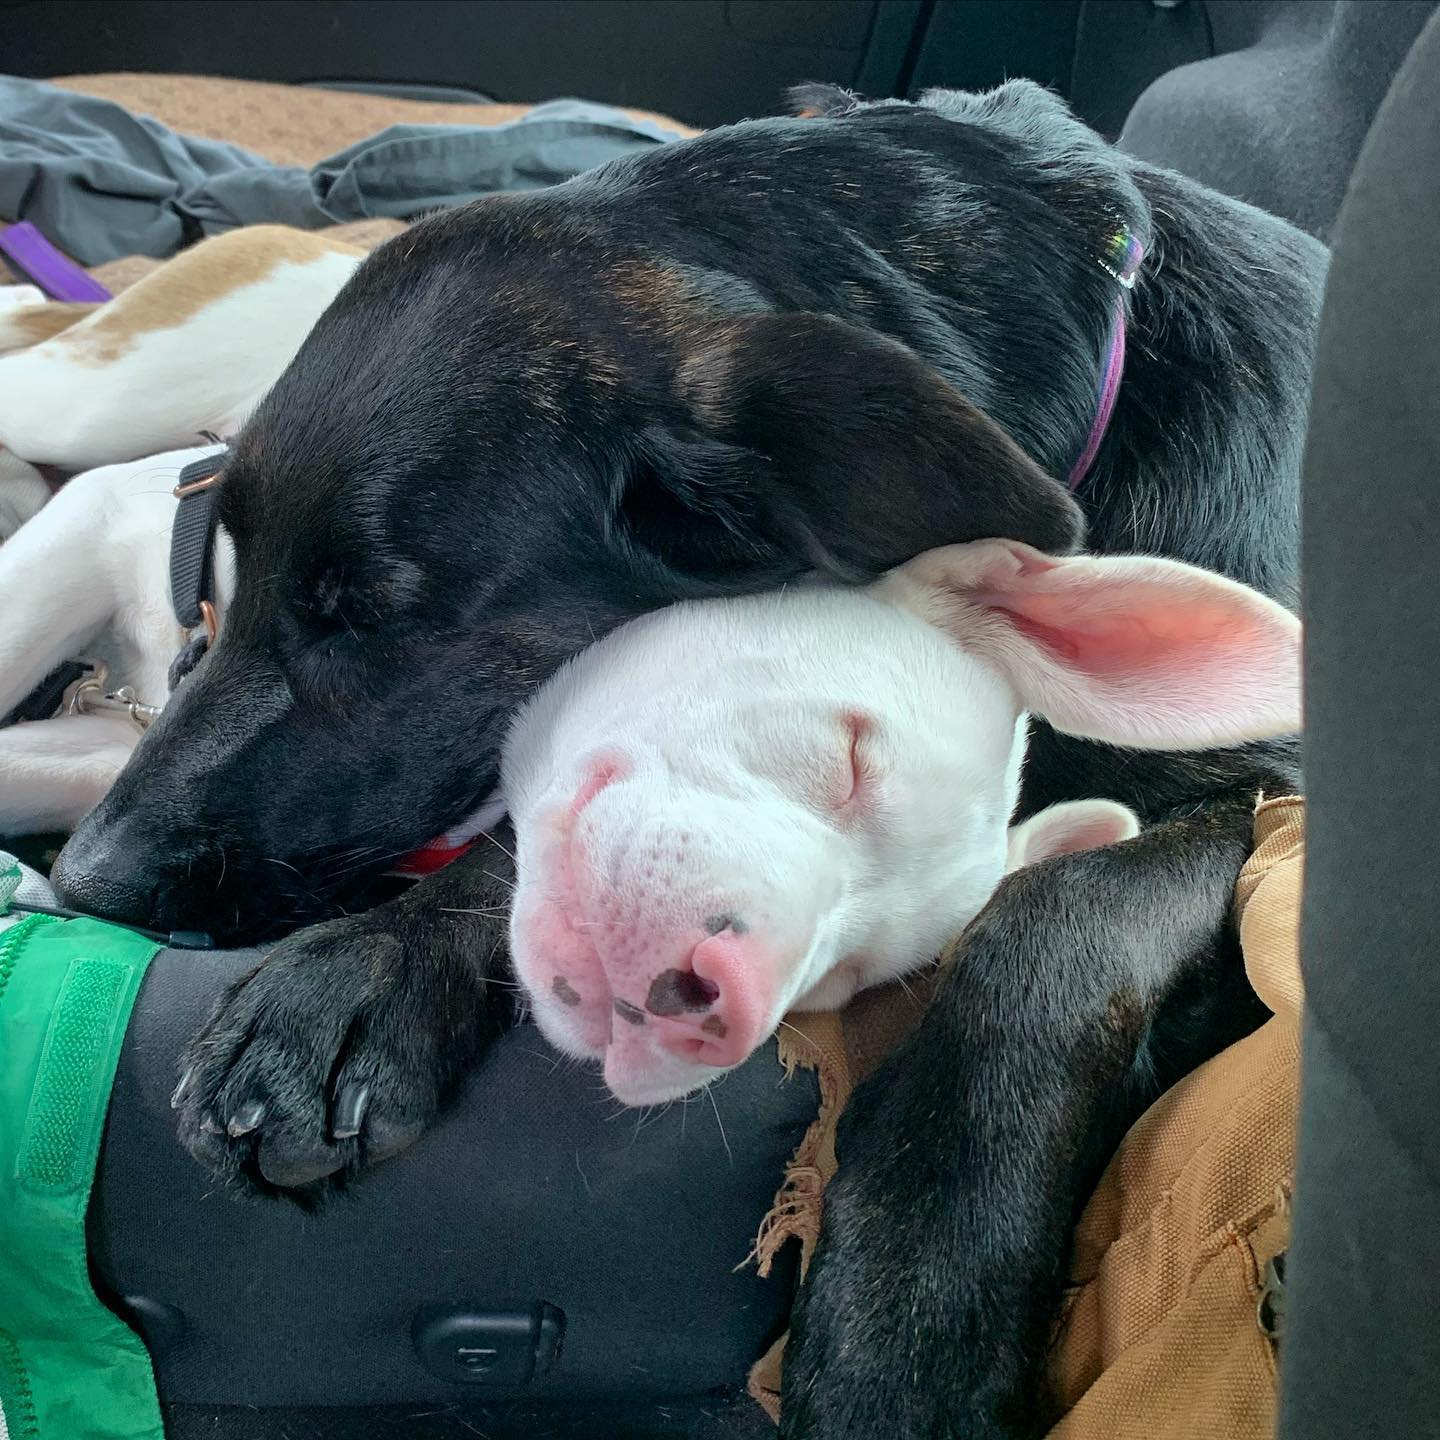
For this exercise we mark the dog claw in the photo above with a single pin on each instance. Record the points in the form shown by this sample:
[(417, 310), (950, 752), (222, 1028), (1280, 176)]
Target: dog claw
[(246, 1119), (181, 1092), (350, 1107), (208, 1126)]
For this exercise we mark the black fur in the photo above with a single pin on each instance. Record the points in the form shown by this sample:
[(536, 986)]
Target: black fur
[(702, 371)]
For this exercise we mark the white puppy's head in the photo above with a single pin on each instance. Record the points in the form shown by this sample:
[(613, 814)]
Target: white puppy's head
[(733, 808)]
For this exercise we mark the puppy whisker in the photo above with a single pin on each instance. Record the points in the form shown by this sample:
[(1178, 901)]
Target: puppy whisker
[(723, 1138)]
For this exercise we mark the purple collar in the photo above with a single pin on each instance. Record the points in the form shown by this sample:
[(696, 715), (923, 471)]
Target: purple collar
[(1121, 261)]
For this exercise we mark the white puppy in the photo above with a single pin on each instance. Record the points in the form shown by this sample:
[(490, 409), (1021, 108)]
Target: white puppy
[(734, 808)]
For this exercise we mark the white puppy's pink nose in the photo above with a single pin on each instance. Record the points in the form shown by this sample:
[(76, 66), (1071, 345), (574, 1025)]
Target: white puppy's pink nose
[(714, 1011), (703, 1015)]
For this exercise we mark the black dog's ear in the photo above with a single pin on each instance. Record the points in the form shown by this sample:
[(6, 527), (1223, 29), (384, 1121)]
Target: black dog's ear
[(817, 444), (694, 503)]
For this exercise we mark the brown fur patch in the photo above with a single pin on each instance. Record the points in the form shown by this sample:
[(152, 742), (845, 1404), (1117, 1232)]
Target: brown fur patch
[(1124, 1014), (665, 299), (30, 324), (197, 277)]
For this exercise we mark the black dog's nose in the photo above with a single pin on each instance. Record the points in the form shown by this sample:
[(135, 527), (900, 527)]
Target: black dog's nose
[(103, 880)]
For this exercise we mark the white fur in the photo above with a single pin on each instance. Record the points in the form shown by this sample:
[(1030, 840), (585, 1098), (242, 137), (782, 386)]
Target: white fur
[(89, 575), (115, 386), (16, 296), (694, 765), (62, 405)]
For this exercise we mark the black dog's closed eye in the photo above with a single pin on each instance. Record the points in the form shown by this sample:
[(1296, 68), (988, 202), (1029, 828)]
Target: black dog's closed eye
[(345, 596), (341, 627)]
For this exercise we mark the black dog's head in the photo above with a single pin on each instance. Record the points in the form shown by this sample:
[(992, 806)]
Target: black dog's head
[(521, 423)]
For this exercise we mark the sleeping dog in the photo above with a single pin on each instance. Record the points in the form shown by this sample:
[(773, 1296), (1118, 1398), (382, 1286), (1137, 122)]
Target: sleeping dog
[(817, 799), (787, 345)]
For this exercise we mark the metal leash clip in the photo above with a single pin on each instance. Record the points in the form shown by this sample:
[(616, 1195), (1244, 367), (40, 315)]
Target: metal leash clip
[(88, 694)]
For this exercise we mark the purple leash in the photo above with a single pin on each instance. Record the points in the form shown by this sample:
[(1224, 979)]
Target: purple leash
[(30, 253)]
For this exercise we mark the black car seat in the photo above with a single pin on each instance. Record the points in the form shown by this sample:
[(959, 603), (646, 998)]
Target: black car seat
[(591, 1259), (1361, 1349), (1277, 116)]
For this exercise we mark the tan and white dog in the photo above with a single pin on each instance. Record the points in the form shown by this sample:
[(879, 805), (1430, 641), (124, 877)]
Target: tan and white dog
[(124, 392), (185, 352)]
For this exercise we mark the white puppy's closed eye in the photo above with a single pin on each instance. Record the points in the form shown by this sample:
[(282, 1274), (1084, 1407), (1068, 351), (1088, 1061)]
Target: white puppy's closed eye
[(738, 807)]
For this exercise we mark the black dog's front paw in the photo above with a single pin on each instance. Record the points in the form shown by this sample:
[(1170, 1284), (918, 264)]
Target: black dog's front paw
[(881, 1339), (338, 1050), (332, 1054), (926, 1311)]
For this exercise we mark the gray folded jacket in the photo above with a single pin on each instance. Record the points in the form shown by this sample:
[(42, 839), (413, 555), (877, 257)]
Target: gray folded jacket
[(102, 183)]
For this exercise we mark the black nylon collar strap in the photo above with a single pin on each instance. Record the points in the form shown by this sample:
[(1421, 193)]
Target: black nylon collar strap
[(47, 697), (192, 543)]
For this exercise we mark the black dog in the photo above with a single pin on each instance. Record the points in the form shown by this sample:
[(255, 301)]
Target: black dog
[(707, 370)]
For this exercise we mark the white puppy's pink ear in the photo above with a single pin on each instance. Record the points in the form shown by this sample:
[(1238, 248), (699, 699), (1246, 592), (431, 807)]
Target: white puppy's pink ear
[(1068, 827), (1132, 650)]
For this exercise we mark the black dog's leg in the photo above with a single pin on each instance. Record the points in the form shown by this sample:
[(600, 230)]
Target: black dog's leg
[(338, 1049), (1088, 983)]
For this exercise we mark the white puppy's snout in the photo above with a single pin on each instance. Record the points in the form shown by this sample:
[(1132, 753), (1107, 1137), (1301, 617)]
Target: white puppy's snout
[(663, 925)]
